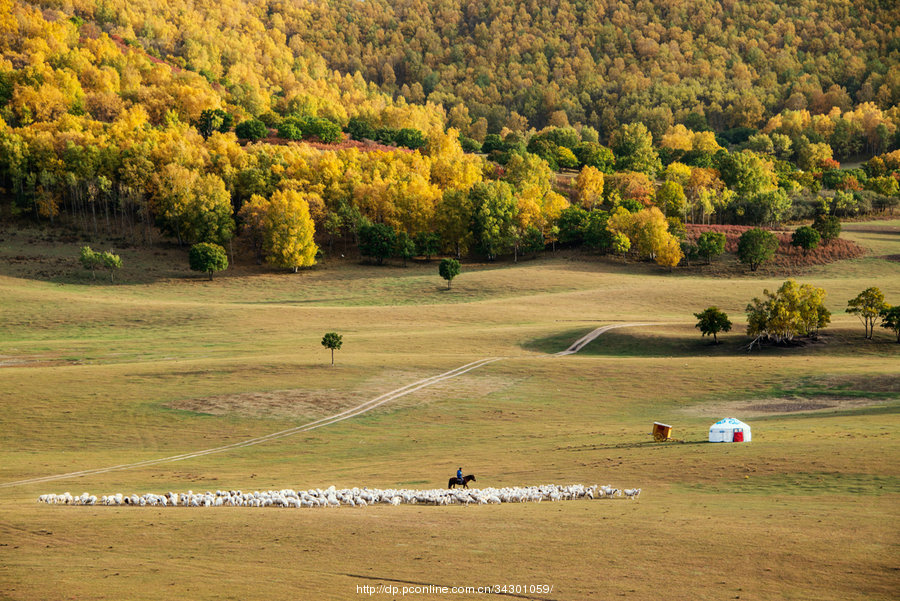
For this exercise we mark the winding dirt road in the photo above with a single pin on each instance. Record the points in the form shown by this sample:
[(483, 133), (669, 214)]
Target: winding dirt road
[(325, 421)]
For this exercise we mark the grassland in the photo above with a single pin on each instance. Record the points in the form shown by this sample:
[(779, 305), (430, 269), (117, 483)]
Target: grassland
[(164, 362)]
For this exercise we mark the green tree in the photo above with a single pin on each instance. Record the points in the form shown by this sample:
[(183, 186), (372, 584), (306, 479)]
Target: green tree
[(828, 226), (360, 129), (333, 341), (251, 129), (449, 269), (111, 262), (532, 241), (712, 321), (591, 154), (670, 198), (377, 240), (747, 173), (756, 246), (494, 217), (208, 258), (711, 244), (90, 259), (404, 247), (890, 319), (595, 233), (428, 244), (806, 238), (572, 223), (632, 145), (867, 305), (411, 138), (213, 120)]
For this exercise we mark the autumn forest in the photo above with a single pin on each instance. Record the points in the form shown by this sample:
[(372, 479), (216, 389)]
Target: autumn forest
[(419, 128)]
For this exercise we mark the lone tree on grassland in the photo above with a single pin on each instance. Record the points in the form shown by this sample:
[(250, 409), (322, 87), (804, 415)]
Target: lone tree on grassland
[(208, 258), (712, 321), (333, 341), (867, 305), (756, 246), (449, 269)]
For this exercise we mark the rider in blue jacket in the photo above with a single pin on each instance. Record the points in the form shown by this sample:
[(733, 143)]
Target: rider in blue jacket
[(459, 475)]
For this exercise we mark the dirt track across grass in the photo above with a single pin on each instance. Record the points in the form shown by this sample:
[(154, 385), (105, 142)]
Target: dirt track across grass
[(326, 421)]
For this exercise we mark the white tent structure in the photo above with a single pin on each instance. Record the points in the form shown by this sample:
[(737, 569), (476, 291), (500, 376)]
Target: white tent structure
[(729, 430)]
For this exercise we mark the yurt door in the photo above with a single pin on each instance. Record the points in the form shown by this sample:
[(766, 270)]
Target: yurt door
[(738, 435)]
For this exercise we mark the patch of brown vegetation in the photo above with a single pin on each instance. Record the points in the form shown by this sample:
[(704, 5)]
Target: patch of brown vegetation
[(271, 404), (786, 256), (304, 403)]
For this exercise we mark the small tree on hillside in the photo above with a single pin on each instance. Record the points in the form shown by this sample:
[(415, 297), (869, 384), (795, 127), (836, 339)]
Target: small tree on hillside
[(208, 258), (449, 269), (711, 244), (333, 341), (756, 246), (110, 262), (806, 238), (712, 321), (890, 320), (90, 260), (867, 305)]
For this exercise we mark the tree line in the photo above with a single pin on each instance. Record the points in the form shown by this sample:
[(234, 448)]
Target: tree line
[(116, 141)]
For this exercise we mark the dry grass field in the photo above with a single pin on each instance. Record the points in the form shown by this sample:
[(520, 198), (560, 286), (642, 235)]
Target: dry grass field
[(164, 362)]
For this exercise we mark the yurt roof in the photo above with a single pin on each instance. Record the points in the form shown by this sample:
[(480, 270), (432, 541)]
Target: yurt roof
[(729, 422)]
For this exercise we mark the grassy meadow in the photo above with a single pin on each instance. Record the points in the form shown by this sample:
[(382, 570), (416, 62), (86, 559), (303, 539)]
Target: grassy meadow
[(164, 362)]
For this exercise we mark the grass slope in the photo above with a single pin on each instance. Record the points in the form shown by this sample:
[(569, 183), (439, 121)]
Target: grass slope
[(97, 375)]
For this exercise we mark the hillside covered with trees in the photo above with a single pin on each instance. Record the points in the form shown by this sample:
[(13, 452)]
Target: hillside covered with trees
[(444, 124)]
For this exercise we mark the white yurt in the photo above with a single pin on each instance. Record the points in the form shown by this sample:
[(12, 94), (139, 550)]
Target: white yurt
[(729, 430)]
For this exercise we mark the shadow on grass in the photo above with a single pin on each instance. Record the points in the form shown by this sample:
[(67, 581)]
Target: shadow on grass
[(631, 445), (801, 483), (669, 342), (620, 343)]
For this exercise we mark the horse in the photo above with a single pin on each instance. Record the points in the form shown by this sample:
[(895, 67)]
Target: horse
[(465, 483)]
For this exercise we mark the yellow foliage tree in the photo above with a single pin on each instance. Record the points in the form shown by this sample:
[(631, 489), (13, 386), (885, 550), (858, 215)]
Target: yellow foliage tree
[(668, 252), (589, 185), (288, 231)]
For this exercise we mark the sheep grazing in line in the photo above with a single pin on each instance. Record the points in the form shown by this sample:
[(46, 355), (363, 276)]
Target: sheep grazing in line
[(352, 497)]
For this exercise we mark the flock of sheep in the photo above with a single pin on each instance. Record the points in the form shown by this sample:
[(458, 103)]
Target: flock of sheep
[(353, 497)]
